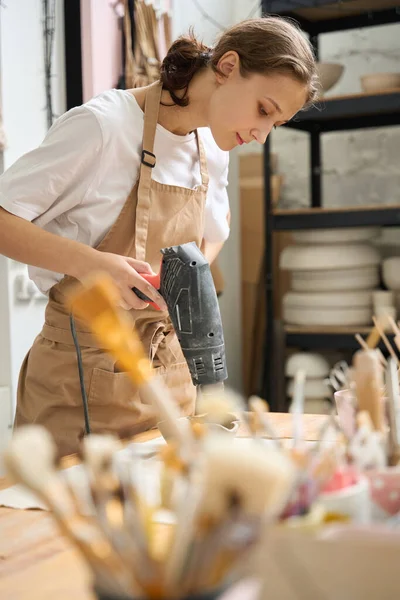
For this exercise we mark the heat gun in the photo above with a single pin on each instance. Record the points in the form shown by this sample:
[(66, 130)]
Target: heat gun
[(186, 284)]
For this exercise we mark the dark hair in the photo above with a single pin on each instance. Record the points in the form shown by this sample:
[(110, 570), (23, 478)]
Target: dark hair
[(264, 45)]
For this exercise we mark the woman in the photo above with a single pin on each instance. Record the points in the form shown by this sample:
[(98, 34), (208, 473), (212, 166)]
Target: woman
[(119, 178)]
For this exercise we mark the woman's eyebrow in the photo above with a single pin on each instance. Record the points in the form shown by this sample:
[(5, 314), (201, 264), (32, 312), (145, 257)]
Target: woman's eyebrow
[(278, 108)]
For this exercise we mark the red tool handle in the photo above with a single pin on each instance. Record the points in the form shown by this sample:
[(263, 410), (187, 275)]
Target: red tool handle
[(154, 280)]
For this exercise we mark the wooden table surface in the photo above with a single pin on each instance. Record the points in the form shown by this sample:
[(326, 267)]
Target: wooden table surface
[(38, 563)]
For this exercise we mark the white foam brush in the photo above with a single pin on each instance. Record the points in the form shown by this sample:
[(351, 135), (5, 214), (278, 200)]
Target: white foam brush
[(30, 459)]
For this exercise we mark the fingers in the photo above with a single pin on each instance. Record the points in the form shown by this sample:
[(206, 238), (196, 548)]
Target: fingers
[(140, 266), (130, 300), (146, 288)]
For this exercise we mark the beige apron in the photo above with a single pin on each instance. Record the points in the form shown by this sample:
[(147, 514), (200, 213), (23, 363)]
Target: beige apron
[(154, 216)]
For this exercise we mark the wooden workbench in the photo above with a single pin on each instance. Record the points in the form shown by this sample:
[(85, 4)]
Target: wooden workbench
[(37, 563)]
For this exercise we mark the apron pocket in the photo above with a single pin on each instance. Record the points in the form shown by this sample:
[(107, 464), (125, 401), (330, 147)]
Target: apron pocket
[(112, 389)]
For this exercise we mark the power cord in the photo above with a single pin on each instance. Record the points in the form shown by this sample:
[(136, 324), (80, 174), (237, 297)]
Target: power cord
[(81, 375)]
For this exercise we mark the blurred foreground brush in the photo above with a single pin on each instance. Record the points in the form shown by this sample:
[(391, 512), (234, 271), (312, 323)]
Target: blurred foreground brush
[(96, 303)]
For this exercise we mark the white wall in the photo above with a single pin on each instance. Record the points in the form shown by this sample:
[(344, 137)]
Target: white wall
[(359, 167), (101, 47), (24, 115)]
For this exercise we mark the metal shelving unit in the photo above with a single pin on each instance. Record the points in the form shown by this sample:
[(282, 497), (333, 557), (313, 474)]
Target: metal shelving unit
[(334, 114)]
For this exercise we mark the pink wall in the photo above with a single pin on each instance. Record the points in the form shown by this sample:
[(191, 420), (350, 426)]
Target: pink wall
[(101, 47)]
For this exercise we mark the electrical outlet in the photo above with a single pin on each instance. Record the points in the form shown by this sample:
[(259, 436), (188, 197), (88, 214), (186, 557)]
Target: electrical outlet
[(25, 290)]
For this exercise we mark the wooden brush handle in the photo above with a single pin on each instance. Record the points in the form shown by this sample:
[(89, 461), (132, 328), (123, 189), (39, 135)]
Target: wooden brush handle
[(368, 378)]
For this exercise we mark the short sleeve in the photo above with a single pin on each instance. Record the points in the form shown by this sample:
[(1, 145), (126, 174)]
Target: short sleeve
[(216, 228), (39, 184)]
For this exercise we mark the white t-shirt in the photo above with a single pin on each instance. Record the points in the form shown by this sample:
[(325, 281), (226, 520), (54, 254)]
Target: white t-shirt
[(76, 182)]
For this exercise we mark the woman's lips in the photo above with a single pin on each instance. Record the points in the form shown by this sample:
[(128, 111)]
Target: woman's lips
[(239, 139)]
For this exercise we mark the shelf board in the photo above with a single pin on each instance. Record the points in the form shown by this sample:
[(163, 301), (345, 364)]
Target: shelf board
[(326, 218), (328, 330), (354, 111), (333, 338), (322, 16)]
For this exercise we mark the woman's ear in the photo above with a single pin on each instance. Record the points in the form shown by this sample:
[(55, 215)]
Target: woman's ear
[(228, 65)]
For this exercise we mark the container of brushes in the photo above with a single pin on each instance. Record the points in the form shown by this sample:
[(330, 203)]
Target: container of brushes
[(352, 501)]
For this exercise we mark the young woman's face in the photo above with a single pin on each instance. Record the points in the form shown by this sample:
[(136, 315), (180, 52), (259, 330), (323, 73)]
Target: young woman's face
[(243, 109)]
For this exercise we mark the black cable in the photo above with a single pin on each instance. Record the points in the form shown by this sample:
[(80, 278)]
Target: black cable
[(81, 376)]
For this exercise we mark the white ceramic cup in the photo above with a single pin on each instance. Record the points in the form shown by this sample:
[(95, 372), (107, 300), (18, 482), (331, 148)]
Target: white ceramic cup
[(383, 298), (353, 501), (386, 311)]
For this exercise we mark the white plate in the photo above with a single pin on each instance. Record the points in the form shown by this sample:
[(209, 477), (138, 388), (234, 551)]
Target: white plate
[(328, 299), (313, 388), (363, 278), (334, 236), (314, 365), (391, 273), (328, 257), (345, 317)]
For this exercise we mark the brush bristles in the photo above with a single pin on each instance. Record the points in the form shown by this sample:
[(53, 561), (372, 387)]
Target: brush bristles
[(96, 304), (97, 296), (30, 456)]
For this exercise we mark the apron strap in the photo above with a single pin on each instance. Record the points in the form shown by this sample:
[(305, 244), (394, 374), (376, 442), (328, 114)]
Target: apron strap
[(148, 162), (203, 161)]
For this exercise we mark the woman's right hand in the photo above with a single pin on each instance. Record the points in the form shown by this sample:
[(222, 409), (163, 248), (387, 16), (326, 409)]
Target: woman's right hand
[(126, 273)]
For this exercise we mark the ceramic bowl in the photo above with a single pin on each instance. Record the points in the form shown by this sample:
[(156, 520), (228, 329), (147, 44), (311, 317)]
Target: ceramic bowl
[(385, 491), (353, 501), (382, 298), (379, 82), (391, 273), (328, 257), (317, 406), (313, 389), (335, 236), (329, 74), (362, 278), (327, 299), (314, 365), (230, 427), (330, 317)]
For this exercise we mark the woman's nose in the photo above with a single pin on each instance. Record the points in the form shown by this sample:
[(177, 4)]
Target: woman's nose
[(260, 135)]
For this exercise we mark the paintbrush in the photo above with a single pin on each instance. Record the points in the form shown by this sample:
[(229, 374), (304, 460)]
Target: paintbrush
[(379, 324), (30, 459), (264, 427), (393, 395), (297, 407), (97, 305), (368, 378), (110, 501), (244, 487), (365, 346), (234, 489)]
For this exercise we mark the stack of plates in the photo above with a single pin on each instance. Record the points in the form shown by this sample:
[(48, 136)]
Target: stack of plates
[(333, 273), (316, 392)]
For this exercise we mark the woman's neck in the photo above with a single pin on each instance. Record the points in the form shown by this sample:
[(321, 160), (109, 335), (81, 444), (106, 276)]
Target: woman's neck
[(181, 120)]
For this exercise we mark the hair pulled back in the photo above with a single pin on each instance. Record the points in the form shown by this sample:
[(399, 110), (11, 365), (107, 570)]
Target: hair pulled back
[(265, 45)]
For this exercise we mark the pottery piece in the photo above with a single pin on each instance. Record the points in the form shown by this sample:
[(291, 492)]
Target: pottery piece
[(328, 257), (379, 82)]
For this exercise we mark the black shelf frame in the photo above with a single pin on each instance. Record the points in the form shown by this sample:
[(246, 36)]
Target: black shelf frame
[(350, 19), (328, 340), (388, 216), (338, 114)]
